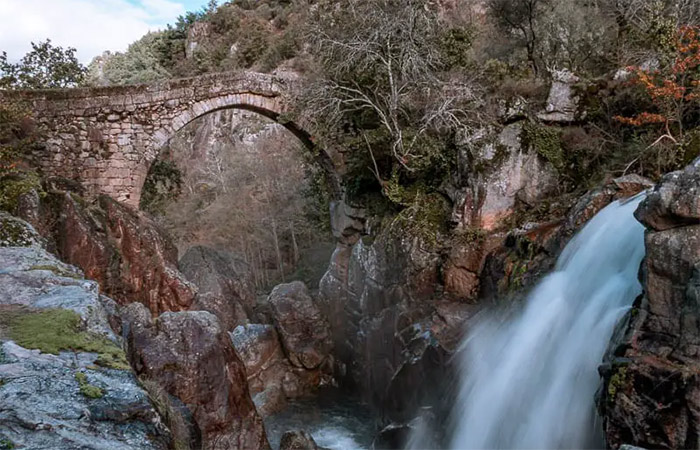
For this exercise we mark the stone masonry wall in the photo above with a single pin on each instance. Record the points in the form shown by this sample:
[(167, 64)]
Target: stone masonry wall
[(106, 138)]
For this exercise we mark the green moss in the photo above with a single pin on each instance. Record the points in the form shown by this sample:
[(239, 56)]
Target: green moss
[(426, 218), (53, 330), (546, 141), (14, 233), (87, 389), (616, 383), (58, 271), (15, 185), (6, 444)]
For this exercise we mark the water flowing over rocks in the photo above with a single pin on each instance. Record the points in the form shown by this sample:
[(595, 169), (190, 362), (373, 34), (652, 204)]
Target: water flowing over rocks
[(650, 394), (191, 357), (69, 399)]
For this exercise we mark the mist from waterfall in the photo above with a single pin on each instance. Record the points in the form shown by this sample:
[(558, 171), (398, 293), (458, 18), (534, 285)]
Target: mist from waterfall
[(529, 379)]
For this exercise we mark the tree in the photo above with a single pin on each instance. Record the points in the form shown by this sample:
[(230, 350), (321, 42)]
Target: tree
[(139, 64), (45, 66), (673, 88), (383, 69), (522, 18)]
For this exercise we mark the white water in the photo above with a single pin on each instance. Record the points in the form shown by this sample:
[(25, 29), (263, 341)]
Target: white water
[(529, 379)]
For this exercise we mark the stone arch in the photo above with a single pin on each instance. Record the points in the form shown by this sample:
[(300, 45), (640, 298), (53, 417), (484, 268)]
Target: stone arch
[(268, 106)]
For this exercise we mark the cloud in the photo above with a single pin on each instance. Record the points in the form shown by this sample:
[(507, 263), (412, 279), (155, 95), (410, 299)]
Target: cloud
[(91, 26)]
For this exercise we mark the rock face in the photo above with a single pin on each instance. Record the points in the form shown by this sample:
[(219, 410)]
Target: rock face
[(79, 398), (131, 258), (562, 103), (272, 378), (190, 356), (388, 329), (225, 283), (502, 173), (650, 393), (304, 332)]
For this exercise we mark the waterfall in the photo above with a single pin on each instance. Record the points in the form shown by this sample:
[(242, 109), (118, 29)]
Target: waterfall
[(529, 379)]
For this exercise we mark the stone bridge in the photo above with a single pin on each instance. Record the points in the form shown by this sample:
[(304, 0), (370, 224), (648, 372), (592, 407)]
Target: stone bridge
[(107, 138)]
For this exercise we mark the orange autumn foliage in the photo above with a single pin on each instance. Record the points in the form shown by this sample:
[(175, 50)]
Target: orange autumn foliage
[(673, 87)]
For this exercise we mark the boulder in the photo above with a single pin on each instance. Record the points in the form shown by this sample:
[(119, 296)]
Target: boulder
[(562, 103), (219, 272), (304, 332), (15, 232), (298, 440), (230, 313), (64, 380), (128, 254), (650, 390), (272, 379), (190, 356)]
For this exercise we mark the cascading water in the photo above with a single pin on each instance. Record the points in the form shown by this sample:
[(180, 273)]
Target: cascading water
[(529, 379)]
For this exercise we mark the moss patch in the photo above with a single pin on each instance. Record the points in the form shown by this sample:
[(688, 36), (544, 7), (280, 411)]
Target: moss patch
[(616, 383), (6, 444), (87, 389), (58, 271), (13, 186), (427, 218), (14, 233), (53, 330), (546, 141)]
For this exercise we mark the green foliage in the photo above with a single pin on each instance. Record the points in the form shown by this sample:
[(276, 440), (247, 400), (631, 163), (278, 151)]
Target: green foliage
[(45, 66), (141, 63), (455, 44), (54, 330), (88, 390), (163, 184), (6, 444), (427, 218)]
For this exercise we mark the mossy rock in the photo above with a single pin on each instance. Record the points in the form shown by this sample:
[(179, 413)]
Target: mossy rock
[(55, 330), (12, 187), (88, 390), (546, 141), (617, 383), (15, 232), (6, 444)]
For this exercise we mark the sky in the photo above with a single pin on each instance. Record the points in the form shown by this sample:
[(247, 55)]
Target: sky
[(91, 26)]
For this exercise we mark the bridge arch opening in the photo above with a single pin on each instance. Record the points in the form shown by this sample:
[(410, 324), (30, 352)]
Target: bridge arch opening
[(242, 178)]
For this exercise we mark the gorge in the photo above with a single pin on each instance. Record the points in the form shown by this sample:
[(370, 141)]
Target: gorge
[(381, 224)]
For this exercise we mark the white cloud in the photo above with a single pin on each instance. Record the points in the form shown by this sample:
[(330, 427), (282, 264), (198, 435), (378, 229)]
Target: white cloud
[(91, 26)]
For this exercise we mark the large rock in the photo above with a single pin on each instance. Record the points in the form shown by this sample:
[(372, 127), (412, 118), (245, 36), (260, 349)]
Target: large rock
[(305, 333), (127, 253), (272, 379), (650, 393), (191, 357), (298, 440), (501, 173), (562, 103), (226, 280), (64, 383)]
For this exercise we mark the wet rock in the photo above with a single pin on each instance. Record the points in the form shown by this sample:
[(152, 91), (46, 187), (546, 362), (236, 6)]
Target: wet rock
[(650, 392), (71, 399), (304, 332), (674, 202), (219, 272), (298, 440), (190, 356), (131, 258)]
